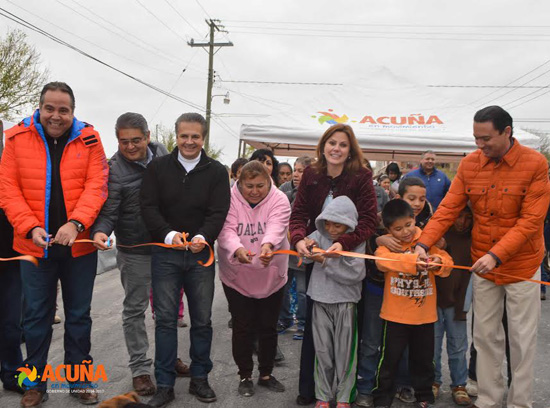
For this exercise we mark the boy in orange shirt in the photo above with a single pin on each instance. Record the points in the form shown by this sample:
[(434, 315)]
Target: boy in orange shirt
[(409, 307)]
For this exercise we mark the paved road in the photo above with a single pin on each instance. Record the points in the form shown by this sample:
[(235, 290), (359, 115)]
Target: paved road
[(108, 348)]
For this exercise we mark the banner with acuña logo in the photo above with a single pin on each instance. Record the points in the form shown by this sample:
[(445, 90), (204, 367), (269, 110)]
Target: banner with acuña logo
[(391, 116), (64, 377)]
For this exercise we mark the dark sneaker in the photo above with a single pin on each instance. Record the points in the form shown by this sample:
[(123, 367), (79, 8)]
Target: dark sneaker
[(279, 356), (364, 400), (281, 328), (299, 335), (271, 384), (246, 387), (301, 400), (424, 404), (200, 388), (405, 394), (163, 397)]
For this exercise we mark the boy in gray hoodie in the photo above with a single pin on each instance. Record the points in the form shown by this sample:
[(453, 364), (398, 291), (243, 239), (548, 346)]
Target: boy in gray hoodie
[(335, 288)]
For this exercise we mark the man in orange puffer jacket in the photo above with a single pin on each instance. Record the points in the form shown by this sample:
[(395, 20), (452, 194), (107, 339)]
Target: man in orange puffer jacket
[(53, 184), (507, 184)]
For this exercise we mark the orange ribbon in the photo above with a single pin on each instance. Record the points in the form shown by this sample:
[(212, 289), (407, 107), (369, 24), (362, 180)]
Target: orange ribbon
[(185, 245), (365, 256), (27, 258)]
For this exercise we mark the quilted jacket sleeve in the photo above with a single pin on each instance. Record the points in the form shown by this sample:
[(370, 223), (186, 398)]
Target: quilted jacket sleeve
[(95, 189)]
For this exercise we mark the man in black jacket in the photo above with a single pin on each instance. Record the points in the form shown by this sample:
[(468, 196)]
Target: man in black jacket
[(184, 192), (121, 213)]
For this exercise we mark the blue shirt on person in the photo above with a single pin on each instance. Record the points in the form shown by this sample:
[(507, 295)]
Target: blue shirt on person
[(437, 184)]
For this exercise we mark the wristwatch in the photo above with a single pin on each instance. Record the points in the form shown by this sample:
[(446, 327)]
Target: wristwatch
[(78, 224)]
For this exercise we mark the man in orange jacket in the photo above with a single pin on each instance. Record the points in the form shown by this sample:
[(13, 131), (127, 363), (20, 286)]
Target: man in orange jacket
[(53, 185), (508, 187)]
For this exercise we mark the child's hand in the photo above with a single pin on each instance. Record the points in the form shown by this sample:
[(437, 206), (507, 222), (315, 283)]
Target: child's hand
[(310, 243), (330, 251), (434, 260), (389, 242), (317, 258), (244, 256), (266, 254)]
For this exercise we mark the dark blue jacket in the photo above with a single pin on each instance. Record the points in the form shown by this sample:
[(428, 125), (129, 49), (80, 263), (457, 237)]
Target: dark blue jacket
[(437, 185)]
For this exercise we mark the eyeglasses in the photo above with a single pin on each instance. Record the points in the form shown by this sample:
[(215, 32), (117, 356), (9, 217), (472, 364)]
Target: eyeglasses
[(134, 141)]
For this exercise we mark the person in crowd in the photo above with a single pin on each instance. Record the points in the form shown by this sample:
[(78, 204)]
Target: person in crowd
[(184, 192), (285, 173), (11, 357), (508, 186), (451, 314), (295, 272), (437, 183), (337, 171), (335, 288), (545, 266), (384, 182), (54, 183), (394, 173), (253, 280), (409, 307), (413, 191), (121, 214), (267, 157), (236, 167)]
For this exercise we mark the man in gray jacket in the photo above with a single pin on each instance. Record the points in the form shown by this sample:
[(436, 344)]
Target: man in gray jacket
[(121, 213)]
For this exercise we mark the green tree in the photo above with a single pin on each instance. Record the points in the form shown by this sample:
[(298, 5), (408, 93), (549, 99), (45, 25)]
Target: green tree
[(167, 137), (21, 76)]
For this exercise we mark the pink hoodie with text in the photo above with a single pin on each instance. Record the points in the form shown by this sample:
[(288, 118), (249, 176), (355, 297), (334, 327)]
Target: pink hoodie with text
[(250, 228)]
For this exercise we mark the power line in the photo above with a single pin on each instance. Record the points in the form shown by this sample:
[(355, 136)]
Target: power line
[(302, 23), (484, 86), (284, 83), (380, 37), (511, 82), (324, 30), (159, 20), (182, 17), (88, 41), (10, 16), (139, 42), (203, 9)]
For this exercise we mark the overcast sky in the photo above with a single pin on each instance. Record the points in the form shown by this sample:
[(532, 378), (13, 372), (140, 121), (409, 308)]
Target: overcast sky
[(482, 43)]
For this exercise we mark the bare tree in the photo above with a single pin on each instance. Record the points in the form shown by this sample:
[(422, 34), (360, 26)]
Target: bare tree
[(21, 76)]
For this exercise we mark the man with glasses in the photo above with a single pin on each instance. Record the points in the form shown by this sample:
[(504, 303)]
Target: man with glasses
[(122, 214)]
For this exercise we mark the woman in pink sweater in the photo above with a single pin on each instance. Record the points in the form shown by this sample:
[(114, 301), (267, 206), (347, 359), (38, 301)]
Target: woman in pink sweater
[(253, 279)]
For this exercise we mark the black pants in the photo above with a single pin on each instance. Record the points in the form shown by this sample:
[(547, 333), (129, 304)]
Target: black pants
[(420, 339), (306, 386), (251, 318)]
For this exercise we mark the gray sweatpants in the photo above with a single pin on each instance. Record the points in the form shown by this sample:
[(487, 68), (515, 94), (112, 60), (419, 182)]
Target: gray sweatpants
[(135, 275), (334, 329)]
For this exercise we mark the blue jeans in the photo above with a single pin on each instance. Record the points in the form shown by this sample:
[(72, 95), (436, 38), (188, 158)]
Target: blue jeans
[(285, 316), (77, 276), (457, 346), (545, 277), (10, 322), (171, 270), (369, 350)]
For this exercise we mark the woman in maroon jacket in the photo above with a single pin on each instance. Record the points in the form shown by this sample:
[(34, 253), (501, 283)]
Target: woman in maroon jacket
[(338, 171)]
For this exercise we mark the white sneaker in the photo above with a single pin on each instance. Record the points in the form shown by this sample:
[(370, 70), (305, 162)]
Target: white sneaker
[(471, 387)]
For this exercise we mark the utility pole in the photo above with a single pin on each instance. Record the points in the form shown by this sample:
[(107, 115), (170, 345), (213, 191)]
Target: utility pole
[(214, 26)]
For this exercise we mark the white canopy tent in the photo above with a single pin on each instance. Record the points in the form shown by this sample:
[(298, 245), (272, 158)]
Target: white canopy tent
[(392, 118)]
